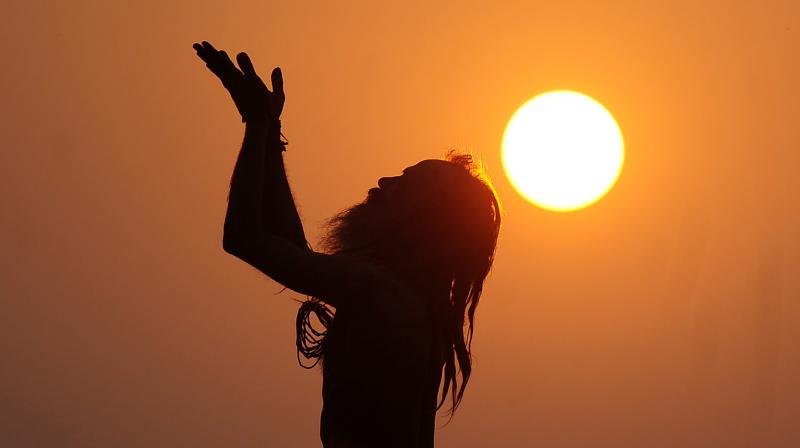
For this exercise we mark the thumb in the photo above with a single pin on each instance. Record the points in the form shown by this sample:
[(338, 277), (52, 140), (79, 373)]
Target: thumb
[(277, 81)]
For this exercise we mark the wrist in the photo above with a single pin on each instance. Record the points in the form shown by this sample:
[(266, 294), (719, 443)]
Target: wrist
[(260, 121), (270, 128)]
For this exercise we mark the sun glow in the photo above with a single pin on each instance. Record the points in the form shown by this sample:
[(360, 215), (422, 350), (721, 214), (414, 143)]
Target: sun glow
[(562, 150)]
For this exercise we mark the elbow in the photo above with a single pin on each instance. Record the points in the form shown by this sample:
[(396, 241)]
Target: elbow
[(229, 246), (240, 244), (233, 244)]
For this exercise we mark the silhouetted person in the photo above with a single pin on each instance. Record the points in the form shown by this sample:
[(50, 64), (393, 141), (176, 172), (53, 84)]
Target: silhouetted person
[(404, 270)]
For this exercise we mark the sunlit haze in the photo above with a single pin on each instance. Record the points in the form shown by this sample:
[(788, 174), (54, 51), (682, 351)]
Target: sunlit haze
[(663, 315)]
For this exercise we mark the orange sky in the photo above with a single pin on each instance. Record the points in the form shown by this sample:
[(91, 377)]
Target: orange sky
[(664, 315)]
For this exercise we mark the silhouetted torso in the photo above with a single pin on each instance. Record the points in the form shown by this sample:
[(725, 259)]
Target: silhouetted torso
[(381, 374)]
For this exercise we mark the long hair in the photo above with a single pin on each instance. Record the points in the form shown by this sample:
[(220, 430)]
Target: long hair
[(458, 221)]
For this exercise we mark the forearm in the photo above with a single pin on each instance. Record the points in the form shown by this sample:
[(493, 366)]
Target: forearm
[(243, 218), (279, 212)]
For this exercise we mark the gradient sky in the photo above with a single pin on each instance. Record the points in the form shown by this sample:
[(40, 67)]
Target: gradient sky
[(664, 315)]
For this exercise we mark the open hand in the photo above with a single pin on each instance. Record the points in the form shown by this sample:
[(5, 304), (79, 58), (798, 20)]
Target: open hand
[(250, 95)]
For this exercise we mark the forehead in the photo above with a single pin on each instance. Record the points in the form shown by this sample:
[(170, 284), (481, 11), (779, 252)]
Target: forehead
[(428, 167)]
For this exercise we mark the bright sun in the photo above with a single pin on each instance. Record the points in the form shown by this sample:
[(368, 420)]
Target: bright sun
[(562, 150)]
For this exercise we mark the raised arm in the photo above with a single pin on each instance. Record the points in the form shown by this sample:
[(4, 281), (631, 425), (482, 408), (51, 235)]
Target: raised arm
[(331, 277), (250, 95), (279, 210)]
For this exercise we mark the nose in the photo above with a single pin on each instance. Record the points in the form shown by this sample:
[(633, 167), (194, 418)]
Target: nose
[(386, 182)]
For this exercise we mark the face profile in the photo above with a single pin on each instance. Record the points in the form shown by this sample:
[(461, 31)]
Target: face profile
[(414, 179), (442, 211)]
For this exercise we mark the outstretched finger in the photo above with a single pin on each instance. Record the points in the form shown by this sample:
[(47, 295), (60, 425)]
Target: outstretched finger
[(202, 52), (246, 65), (277, 81), (216, 60), (223, 67), (225, 61), (205, 49)]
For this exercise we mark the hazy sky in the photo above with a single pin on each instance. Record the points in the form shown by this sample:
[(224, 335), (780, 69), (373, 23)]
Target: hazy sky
[(664, 315)]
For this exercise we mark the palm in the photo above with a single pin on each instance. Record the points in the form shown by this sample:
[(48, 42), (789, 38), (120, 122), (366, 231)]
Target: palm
[(249, 93)]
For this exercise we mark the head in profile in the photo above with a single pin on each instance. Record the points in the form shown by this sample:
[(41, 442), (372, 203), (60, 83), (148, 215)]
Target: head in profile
[(436, 228)]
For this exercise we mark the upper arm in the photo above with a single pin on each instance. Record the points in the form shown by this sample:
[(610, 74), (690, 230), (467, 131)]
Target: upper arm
[(328, 277)]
